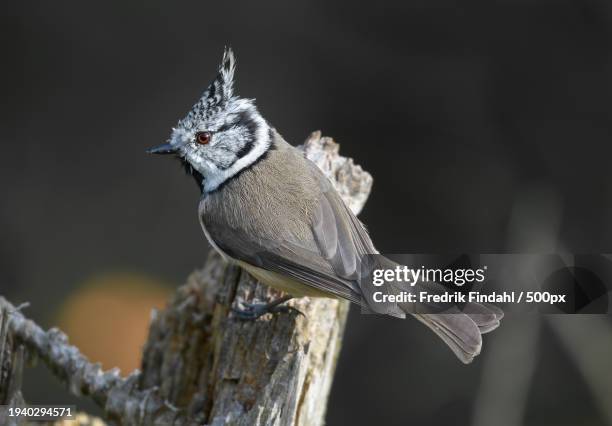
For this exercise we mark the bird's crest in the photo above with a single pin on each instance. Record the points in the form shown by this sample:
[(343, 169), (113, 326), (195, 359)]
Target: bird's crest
[(220, 91)]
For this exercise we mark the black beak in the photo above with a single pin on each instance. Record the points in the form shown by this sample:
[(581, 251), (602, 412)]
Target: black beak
[(162, 149)]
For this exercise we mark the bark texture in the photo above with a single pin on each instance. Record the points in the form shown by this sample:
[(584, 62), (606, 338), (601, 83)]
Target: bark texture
[(11, 366)]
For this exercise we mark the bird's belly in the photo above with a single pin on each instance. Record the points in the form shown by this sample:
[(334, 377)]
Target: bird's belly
[(282, 282)]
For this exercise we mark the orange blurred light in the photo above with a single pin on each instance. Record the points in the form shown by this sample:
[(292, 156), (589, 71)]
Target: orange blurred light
[(108, 316)]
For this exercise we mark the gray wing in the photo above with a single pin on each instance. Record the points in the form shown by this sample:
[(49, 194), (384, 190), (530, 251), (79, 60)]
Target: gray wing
[(330, 261), (345, 244)]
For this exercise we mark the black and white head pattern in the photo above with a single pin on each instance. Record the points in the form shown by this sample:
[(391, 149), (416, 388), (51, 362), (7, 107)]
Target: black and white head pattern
[(239, 135)]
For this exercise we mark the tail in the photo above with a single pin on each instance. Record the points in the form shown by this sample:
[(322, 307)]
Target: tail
[(462, 331)]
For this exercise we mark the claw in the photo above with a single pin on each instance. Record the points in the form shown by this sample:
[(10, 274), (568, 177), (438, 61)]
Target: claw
[(249, 313), (287, 309), (252, 311)]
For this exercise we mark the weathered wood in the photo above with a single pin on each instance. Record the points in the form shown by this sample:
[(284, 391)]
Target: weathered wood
[(11, 366), (274, 371)]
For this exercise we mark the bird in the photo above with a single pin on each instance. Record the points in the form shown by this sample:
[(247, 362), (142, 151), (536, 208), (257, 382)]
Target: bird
[(267, 208)]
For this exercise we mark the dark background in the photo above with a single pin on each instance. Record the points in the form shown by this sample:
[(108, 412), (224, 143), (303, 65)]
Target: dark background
[(486, 126)]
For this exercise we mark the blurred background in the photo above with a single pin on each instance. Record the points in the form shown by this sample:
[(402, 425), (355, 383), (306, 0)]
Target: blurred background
[(486, 125)]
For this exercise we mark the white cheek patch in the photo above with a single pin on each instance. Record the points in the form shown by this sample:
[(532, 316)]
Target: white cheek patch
[(231, 150), (199, 162), (260, 145)]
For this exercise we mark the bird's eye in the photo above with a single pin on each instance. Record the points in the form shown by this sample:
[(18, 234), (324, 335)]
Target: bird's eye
[(203, 137)]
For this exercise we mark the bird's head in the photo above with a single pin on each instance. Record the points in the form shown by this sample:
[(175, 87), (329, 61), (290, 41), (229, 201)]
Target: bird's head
[(221, 135)]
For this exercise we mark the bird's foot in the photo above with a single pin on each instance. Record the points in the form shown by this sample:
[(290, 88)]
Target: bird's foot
[(252, 311)]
